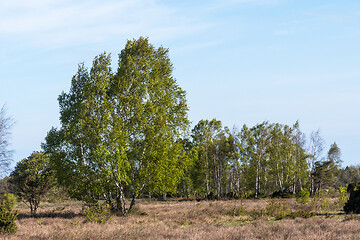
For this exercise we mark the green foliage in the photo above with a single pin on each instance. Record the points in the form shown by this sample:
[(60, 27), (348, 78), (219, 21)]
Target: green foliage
[(303, 196), (7, 215), (211, 140), (325, 172), (120, 132), (256, 214), (277, 208), (342, 192), (302, 213), (32, 178), (9, 201), (98, 214), (240, 211), (325, 203), (341, 200)]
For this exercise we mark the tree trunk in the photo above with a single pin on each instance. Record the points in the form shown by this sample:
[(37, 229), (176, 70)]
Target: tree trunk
[(34, 204)]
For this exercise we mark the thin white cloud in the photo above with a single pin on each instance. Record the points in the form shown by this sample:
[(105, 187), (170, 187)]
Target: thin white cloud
[(335, 17), (65, 22), (228, 3)]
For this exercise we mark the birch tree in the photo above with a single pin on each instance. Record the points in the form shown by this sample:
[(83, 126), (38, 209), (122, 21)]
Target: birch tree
[(120, 131), (6, 123)]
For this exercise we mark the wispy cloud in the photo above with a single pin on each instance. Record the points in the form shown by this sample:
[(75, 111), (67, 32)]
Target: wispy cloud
[(228, 3), (335, 17), (67, 22)]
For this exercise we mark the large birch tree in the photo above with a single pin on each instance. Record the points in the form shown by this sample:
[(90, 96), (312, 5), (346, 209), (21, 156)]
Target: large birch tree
[(120, 132)]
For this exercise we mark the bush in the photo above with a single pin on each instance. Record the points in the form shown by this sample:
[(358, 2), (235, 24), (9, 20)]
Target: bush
[(353, 187), (325, 203), (302, 196), (302, 213), (342, 199), (277, 209), (342, 192), (353, 204), (9, 201), (98, 214), (7, 215), (279, 194)]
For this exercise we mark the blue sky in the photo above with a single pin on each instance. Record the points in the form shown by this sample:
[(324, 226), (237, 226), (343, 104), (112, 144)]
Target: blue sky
[(240, 61)]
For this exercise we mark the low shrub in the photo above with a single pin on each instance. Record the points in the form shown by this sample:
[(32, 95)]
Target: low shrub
[(98, 214), (256, 214), (303, 196), (276, 208), (240, 211), (325, 203), (9, 201), (302, 213), (7, 215)]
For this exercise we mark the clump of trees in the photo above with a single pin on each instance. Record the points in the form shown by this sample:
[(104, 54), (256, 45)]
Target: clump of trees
[(126, 133), (258, 161)]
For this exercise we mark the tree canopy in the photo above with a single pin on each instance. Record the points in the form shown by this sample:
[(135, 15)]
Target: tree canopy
[(32, 178), (120, 131)]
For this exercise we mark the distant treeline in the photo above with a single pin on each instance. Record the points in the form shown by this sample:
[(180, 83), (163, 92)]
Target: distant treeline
[(260, 160)]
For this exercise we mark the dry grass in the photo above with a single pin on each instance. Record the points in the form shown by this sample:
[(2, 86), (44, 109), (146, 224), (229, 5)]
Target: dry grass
[(185, 220)]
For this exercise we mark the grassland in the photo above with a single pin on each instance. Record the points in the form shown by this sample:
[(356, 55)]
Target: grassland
[(172, 219)]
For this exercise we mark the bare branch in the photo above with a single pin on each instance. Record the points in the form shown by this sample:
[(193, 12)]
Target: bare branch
[(6, 123)]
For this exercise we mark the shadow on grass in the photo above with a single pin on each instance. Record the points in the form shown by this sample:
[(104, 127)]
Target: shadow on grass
[(327, 214), (65, 215)]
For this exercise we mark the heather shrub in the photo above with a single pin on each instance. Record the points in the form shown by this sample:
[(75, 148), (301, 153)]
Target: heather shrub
[(256, 214), (240, 211), (302, 213), (98, 214), (325, 203)]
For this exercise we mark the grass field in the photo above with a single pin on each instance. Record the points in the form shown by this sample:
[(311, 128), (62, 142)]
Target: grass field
[(233, 219)]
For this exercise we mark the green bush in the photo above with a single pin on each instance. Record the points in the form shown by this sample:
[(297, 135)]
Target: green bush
[(9, 201), (341, 200), (98, 214), (277, 208), (302, 213), (342, 192), (255, 214), (7, 215), (302, 196)]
